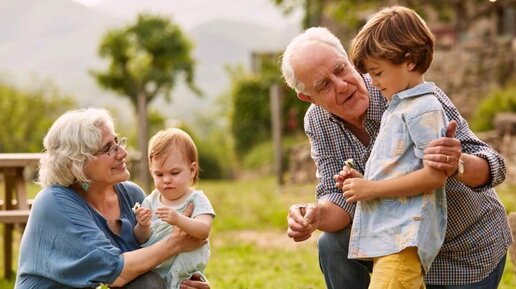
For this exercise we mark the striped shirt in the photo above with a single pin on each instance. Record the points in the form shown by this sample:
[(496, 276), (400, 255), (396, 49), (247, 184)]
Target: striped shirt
[(478, 234)]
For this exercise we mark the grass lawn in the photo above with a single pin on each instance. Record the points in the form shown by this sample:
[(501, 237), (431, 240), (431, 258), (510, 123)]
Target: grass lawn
[(248, 241)]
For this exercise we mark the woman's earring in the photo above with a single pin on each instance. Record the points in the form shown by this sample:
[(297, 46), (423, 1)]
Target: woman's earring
[(85, 186)]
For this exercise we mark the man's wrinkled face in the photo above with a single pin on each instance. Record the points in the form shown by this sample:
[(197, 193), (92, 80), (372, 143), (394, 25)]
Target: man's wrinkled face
[(330, 80)]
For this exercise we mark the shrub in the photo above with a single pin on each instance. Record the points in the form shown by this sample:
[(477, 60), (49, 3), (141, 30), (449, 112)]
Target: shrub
[(501, 100)]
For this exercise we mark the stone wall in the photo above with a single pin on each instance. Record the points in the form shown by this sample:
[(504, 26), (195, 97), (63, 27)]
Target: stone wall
[(503, 139), (301, 167), (470, 70)]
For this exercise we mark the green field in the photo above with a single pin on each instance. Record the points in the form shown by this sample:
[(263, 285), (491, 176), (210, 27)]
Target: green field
[(249, 244)]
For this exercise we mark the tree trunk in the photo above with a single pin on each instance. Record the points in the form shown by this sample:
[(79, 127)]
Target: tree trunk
[(142, 142), (275, 97)]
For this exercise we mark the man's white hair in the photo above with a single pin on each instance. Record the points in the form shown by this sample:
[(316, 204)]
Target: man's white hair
[(314, 34)]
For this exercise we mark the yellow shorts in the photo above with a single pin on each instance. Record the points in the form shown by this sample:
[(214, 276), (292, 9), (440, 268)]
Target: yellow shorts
[(402, 270)]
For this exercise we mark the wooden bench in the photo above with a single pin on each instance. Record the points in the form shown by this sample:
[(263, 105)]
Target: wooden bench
[(14, 204), (10, 218), (15, 207), (14, 216)]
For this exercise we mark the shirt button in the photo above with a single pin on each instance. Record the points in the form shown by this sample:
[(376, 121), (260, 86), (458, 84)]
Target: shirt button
[(416, 218)]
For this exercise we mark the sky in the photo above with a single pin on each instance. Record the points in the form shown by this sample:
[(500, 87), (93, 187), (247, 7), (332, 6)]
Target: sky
[(88, 2), (191, 13), (212, 57)]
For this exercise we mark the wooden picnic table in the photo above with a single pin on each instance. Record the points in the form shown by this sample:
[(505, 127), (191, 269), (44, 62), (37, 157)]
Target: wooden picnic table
[(15, 208)]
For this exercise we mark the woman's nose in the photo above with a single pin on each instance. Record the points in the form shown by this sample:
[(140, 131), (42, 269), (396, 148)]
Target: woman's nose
[(121, 151)]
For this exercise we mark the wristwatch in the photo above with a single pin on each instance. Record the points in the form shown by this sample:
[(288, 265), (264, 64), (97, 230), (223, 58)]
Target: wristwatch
[(460, 169)]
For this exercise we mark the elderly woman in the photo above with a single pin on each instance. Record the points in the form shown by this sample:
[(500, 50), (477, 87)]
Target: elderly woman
[(80, 230)]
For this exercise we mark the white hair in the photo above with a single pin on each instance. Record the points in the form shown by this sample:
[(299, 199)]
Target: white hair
[(71, 140), (314, 34)]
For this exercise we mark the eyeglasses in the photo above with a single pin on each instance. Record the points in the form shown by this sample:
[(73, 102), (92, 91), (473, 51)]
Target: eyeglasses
[(113, 150)]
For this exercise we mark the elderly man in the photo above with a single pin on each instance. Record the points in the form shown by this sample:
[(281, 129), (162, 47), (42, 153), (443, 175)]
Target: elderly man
[(342, 123)]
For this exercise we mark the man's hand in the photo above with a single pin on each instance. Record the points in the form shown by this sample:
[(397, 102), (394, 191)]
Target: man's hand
[(303, 220), (444, 153), (194, 283)]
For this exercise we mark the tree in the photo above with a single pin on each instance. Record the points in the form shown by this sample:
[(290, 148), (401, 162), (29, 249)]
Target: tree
[(459, 13), (250, 107), (27, 114), (145, 61)]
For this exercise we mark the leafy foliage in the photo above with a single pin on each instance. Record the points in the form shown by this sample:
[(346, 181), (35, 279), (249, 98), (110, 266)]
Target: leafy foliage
[(250, 117), (502, 100), (146, 57), (211, 157), (352, 13), (26, 115), (145, 60)]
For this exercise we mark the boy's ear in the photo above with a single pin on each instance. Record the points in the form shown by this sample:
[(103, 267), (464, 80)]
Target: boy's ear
[(410, 62), (304, 97), (411, 65)]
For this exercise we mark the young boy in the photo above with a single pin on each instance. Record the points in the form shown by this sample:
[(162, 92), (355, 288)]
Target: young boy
[(400, 218), (174, 165)]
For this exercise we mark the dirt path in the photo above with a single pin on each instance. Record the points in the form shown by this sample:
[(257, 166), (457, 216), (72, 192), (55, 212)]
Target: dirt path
[(266, 239)]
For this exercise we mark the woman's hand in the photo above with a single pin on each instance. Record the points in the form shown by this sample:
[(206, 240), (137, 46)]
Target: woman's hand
[(195, 283)]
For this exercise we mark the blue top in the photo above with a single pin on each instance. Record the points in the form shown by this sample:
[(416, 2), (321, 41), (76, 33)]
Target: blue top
[(67, 244), (384, 226)]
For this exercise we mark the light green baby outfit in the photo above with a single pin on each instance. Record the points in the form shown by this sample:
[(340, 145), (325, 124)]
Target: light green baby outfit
[(181, 266)]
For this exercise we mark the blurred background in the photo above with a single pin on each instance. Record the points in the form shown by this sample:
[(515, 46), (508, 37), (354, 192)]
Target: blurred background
[(211, 68)]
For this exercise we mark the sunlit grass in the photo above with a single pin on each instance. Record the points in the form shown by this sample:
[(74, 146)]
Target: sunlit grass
[(248, 241)]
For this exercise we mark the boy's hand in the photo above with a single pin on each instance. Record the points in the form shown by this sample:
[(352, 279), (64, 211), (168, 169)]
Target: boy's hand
[(168, 215), (143, 216), (345, 174), (358, 189)]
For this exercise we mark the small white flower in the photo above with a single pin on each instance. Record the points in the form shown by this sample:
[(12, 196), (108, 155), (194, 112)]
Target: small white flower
[(349, 163), (136, 206)]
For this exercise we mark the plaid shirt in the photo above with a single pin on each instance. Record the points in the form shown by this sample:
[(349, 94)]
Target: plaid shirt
[(478, 234)]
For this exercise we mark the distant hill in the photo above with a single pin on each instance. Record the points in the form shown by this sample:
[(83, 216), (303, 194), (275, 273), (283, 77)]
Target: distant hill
[(52, 39), (190, 14), (58, 39)]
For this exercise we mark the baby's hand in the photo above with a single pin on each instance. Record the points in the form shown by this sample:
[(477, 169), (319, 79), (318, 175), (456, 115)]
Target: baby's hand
[(143, 216), (167, 214), (136, 206)]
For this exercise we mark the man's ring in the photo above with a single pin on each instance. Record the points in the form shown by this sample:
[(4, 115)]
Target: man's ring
[(447, 159)]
